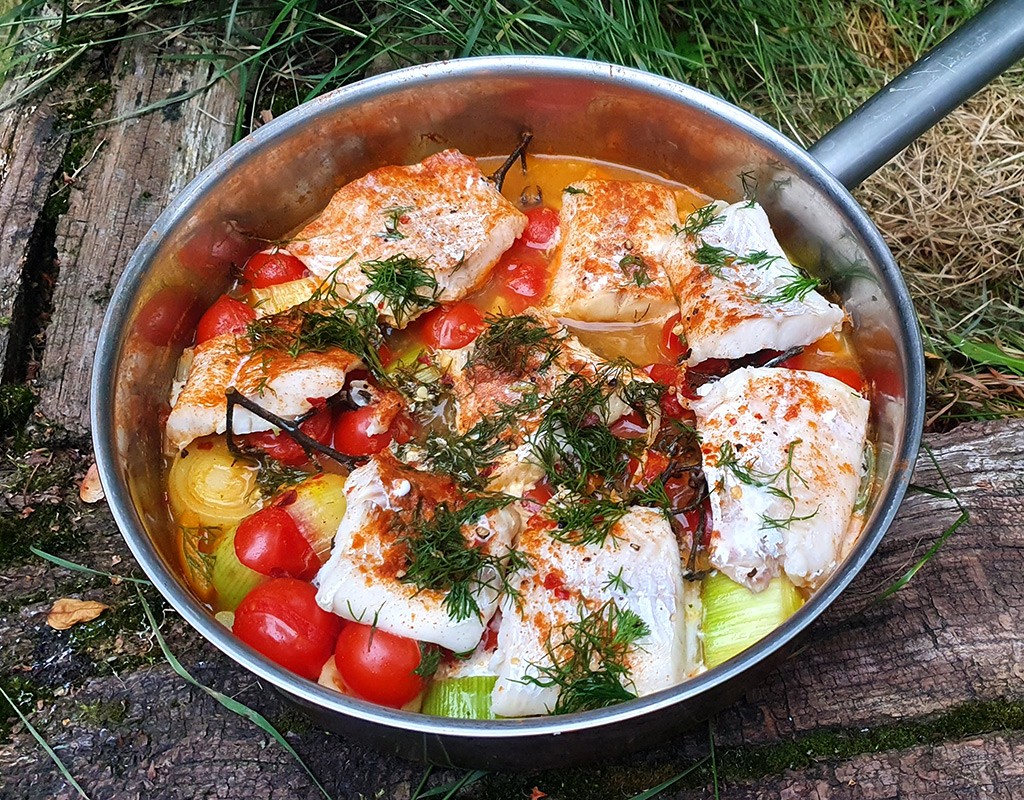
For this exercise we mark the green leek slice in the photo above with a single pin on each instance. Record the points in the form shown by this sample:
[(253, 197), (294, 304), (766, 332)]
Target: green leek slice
[(734, 617), (231, 579), (462, 698)]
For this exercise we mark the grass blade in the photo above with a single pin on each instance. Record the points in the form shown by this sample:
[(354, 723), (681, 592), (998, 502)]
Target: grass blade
[(61, 562), (449, 789), (654, 791), (46, 746), (229, 703)]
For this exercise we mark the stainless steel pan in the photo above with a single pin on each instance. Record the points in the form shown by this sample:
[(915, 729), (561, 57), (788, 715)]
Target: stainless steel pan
[(287, 170)]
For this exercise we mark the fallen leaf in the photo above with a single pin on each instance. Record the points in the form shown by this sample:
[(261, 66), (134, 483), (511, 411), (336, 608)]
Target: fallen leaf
[(90, 490), (70, 611), (266, 115), (537, 794)]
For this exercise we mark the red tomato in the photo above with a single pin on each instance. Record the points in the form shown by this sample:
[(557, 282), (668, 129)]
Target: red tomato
[(271, 543), (351, 438), (539, 494), (226, 315), (680, 492), (269, 269), (541, 225), (847, 375), (554, 583), (169, 316), (450, 327), (671, 346), (672, 378), (521, 276), (378, 666), (280, 618), (629, 426), (279, 445)]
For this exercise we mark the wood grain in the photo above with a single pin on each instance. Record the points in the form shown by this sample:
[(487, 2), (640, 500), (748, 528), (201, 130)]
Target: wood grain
[(141, 162), (953, 636)]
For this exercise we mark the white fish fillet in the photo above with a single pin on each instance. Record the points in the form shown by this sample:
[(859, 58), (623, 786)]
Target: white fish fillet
[(740, 310), (644, 556), (796, 441), (362, 579), (280, 383), (442, 211)]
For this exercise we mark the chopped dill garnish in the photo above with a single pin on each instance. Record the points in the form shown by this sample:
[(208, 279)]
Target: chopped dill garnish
[(699, 220), (583, 520), (272, 476), (392, 219), (750, 476), (635, 268), (713, 258), (795, 289), (430, 660), (575, 190), (399, 280), (509, 344), (756, 258), (440, 558), (617, 582), (588, 662)]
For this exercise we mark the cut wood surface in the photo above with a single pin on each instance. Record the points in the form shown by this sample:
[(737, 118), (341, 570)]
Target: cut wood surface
[(936, 669), (134, 167)]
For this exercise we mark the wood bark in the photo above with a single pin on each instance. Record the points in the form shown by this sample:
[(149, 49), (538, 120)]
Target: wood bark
[(140, 163), (952, 636)]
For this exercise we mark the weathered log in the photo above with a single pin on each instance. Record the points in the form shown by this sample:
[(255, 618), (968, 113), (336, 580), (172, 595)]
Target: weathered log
[(951, 637), (140, 162)]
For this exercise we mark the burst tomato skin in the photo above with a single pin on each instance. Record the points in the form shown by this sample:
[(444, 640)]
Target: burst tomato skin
[(270, 543), (847, 375), (226, 315), (280, 619), (450, 327), (379, 666), (629, 426), (541, 226), (269, 269), (351, 436), (169, 317), (671, 346), (521, 276), (279, 445), (672, 378)]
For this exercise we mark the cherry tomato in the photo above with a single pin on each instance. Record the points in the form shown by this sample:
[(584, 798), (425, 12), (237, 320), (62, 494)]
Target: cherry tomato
[(847, 375), (351, 437), (270, 542), (541, 225), (280, 618), (450, 327), (539, 494), (680, 492), (226, 315), (279, 445), (521, 276), (379, 666), (671, 346), (672, 378), (269, 269), (629, 426), (169, 317)]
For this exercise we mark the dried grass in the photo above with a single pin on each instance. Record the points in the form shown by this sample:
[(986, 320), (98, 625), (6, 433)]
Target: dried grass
[(951, 207)]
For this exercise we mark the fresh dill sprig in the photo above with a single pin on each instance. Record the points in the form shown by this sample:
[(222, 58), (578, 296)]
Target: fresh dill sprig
[(636, 269), (750, 476), (756, 258), (698, 221), (440, 558), (574, 190), (430, 660), (713, 258), (510, 345), (272, 476), (392, 219), (795, 289), (617, 582), (581, 521), (588, 661), (400, 281)]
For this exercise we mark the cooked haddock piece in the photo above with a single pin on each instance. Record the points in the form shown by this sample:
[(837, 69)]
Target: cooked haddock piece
[(442, 213), (637, 568), (387, 502), (609, 265), (523, 361), (750, 297), (281, 384), (783, 453)]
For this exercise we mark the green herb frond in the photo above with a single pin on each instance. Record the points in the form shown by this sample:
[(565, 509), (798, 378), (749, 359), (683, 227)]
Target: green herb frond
[(582, 521), (588, 659), (796, 289), (617, 583), (392, 219), (405, 284), (574, 190), (635, 268), (511, 345), (699, 221)]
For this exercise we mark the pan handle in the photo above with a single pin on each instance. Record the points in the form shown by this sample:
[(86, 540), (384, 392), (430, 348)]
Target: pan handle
[(926, 91)]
